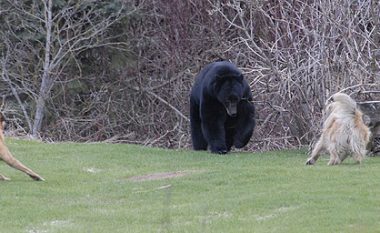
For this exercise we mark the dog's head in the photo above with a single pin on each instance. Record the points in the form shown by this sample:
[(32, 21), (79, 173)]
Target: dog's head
[(342, 103), (344, 98)]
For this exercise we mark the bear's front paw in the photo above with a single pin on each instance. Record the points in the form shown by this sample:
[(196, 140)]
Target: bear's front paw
[(219, 150)]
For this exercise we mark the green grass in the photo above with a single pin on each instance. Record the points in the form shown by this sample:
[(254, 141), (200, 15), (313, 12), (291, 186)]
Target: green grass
[(88, 189)]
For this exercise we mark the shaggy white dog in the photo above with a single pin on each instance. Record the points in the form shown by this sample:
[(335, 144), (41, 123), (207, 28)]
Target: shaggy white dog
[(344, 132)]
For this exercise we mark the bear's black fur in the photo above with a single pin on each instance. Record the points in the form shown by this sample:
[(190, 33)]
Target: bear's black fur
[(221, 111)]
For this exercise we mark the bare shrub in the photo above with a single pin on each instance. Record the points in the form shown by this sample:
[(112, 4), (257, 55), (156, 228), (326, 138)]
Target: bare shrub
[(295, 54), (298, 53)]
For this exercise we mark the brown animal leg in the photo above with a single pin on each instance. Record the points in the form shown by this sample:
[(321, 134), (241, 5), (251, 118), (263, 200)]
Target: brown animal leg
[(7, 157), (315, 153)]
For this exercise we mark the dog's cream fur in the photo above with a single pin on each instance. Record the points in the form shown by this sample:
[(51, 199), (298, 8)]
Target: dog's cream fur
[(344, 132), (7, 157)]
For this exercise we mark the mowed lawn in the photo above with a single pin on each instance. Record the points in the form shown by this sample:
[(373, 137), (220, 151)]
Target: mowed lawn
[(129, 188)]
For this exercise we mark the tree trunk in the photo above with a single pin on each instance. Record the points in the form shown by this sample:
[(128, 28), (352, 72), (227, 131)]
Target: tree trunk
[(40, 105), (47, 81)]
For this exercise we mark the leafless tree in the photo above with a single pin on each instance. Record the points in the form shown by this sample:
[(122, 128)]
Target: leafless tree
[(64, 33)]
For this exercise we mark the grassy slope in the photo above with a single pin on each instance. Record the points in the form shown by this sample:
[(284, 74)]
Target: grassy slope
[(88, 190)]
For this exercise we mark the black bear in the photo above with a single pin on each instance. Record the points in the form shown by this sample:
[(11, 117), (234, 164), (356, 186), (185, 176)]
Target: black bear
[(221, 109)]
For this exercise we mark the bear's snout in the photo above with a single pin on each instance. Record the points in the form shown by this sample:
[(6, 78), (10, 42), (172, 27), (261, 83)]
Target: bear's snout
[(231, 109)]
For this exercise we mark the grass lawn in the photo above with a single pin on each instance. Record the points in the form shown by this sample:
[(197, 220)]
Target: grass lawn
[(128, 188)]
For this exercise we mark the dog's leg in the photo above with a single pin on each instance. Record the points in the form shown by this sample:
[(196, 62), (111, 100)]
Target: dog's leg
[(358, 157), (334, 157), (358, 147), (315, 153), (7, 157), (4, 177)]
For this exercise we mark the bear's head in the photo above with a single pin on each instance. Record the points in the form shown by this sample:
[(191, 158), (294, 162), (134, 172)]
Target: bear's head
[(229, 91)]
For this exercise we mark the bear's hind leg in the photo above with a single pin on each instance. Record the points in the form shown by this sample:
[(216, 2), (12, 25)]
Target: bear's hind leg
[(199, 142), (197, 137)]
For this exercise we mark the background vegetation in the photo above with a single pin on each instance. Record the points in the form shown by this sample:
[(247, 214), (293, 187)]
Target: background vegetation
[(122, 70), (129, 188)]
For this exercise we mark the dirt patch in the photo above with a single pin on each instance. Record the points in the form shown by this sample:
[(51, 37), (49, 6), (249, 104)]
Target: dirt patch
[(276, 213), (160, 176), (91, 170), (49, 226)]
